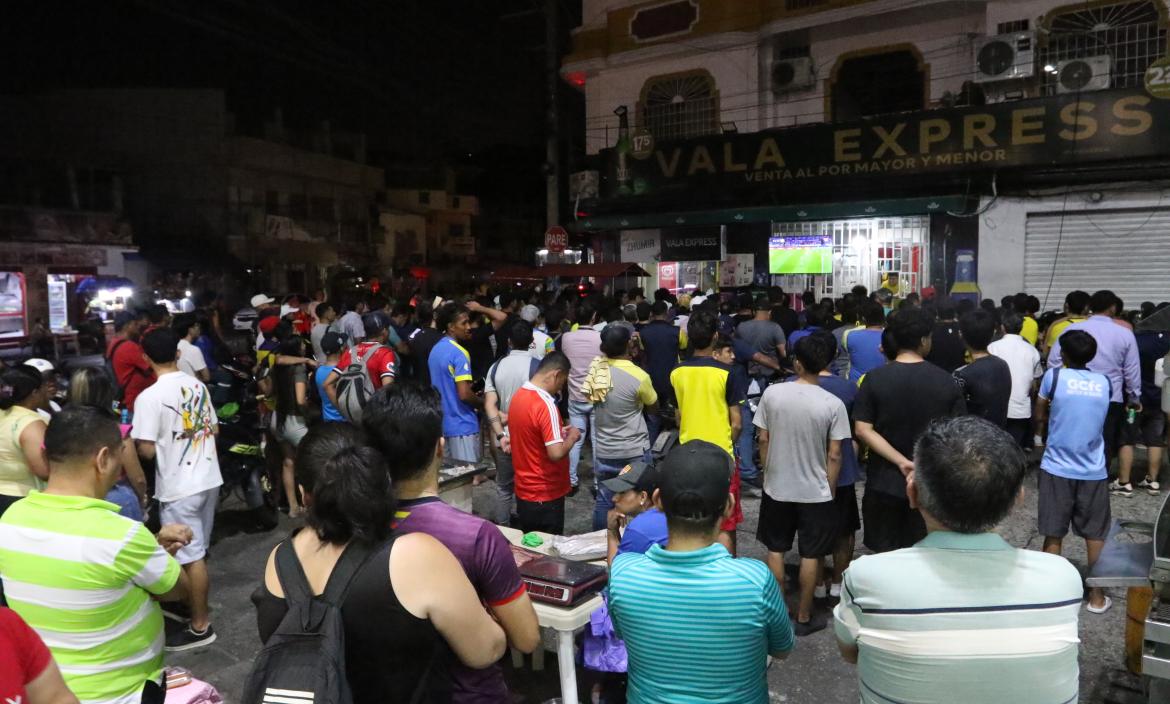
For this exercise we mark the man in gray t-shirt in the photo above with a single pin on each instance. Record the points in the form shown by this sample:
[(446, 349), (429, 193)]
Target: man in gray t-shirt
[(801, 429), (504, 379), (763, 335)]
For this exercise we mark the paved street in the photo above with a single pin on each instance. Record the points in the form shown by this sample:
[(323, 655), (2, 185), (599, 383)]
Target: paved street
[(813, 673)]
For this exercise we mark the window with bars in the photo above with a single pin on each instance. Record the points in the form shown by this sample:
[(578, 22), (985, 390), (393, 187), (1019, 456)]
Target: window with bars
[(1131, 34), (680, 106), (1013, 27), (867, 251)]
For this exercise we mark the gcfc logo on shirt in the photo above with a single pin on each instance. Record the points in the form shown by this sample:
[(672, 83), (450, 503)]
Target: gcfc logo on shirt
[(1084, 387)]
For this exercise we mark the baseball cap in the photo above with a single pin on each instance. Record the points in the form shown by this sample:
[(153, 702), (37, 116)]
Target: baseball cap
[(43, 366), (262, 298), (530, 313), (694, 480), (268, 324), (286, 309), (332, 342), (635, 475), (375, 322)]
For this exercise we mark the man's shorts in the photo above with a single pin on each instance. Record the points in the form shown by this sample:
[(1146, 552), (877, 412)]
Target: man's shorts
[(729, 525), (198, 513), (780, 521), (1111, 430), (1149, 429), (463, 447), (1082, 502), (848, 517), (890, 523)]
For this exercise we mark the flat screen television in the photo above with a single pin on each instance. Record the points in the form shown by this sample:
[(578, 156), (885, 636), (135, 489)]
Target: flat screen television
[(800, 254)]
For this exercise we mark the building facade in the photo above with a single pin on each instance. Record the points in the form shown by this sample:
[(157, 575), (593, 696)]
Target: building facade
[(963, 146)]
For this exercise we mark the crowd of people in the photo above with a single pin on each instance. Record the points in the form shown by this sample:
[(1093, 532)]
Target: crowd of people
[(688, 405)]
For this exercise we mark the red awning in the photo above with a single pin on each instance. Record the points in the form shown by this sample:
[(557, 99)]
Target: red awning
[(606, 270)]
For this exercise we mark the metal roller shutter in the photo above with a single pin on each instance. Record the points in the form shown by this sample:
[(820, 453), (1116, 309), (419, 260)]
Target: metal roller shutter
[(1126, 251)]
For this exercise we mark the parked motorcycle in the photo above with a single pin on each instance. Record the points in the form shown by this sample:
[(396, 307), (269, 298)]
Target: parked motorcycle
[(241, 443)]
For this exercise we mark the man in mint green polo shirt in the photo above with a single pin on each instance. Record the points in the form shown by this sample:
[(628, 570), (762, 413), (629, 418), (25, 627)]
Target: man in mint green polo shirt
[(698, 624), (962, 616), (85, 578)]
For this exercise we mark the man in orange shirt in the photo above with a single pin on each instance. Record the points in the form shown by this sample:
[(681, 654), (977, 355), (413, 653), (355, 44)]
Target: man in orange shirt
[(540, 443)]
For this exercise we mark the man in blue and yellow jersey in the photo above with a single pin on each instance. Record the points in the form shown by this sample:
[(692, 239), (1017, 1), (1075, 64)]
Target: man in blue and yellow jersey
[(709, 402), (450, 367)]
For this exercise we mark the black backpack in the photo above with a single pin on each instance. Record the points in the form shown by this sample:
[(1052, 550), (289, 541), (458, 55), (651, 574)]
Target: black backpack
[(119, 392), (304, 659)]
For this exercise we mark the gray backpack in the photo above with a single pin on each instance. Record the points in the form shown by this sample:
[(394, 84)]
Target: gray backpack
[(355, 387)]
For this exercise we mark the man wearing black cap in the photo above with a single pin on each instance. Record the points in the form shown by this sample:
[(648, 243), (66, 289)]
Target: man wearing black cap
[(634, 511), (662, 602), (379, 360)]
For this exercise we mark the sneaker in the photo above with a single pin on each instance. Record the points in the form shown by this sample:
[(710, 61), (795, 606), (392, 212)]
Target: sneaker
[(189, 639), (809, 627), (1118, 489), (1099, 610), (1153, 487), (835, 590), (820, 592)]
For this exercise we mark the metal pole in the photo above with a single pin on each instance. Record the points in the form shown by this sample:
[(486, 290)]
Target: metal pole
[(552, 119)]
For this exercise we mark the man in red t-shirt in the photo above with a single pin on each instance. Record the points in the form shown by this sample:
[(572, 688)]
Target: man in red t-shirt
[(27, 672), (383, 364), (131, 369), (540, 445)]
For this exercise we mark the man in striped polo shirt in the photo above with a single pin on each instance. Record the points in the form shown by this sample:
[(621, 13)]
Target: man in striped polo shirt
[(698, 623), (82, 576), (962, 616)]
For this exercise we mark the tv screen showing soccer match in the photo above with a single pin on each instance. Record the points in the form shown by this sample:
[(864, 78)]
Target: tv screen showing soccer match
[(802, 254)]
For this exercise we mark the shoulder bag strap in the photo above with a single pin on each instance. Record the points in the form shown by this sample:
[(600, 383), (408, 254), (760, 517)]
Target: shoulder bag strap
[(347, 567), (293, 582)]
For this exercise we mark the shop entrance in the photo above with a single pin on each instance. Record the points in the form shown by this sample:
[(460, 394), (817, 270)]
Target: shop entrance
[(874, 252)]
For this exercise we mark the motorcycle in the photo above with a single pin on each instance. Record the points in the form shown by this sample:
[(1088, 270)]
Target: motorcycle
[(241, 443)]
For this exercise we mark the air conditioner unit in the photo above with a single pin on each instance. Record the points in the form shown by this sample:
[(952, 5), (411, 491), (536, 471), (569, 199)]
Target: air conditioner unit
[(793, 74), (1080, 75), (1005, 57)]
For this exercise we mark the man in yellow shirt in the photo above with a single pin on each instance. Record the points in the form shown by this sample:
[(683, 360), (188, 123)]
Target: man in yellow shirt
[(1076, 310)]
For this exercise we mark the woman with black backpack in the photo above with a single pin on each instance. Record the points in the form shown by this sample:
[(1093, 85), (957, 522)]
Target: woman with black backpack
[(392, 608)]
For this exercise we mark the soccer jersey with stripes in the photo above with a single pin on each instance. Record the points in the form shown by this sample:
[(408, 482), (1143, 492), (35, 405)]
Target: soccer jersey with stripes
[(963, 618), (82, 576)]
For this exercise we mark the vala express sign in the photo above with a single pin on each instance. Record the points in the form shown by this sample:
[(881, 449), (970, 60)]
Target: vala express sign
[(692, 244), (1066, 129)]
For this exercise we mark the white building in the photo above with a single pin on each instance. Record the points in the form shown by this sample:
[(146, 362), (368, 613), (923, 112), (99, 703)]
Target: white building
[(917, 137)]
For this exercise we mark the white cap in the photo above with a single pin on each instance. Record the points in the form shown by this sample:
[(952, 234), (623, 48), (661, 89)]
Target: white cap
[(43, 366), (286, 309), (260, 299), (530, 313)]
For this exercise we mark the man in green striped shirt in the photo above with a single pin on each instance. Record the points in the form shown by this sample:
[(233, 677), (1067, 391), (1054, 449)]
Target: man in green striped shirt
[(962, 616), (82, 576)]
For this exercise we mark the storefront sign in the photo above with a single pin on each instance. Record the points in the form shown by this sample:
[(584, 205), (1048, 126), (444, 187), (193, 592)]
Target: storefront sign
[(639, 246), (1059, 130), (692, 244), (737, 270), (58, 305), (668, 275), (1158, 79)]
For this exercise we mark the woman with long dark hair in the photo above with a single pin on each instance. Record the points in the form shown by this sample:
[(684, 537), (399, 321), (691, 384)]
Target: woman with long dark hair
[(290, 388), (91, 386), (409, 605), (22, 433)]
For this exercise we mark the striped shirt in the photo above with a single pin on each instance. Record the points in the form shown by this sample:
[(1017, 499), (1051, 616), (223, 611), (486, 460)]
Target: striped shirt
[(963, 618), (698, 625), (82, 576)]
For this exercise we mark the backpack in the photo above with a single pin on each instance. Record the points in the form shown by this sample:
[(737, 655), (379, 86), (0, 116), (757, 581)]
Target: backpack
[(532, 365), (355, 387), (304, 659), (119, 392)]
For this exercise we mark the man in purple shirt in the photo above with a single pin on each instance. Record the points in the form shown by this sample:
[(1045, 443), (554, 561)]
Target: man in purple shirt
[(1117, 358), (405, 421)]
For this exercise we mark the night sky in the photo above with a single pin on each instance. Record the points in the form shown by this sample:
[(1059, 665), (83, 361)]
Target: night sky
[(420, 77)]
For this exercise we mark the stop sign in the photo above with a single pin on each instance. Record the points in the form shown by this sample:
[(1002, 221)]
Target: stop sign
[(556, 239)]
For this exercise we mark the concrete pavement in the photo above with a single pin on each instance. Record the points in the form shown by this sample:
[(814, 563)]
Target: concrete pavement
[(813, 673)]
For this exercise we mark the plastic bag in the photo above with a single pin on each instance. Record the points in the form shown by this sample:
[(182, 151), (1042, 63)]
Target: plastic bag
[(604, 651)]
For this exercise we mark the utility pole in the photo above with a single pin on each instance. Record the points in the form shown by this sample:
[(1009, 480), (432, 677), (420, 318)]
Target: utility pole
[(552, 117)]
